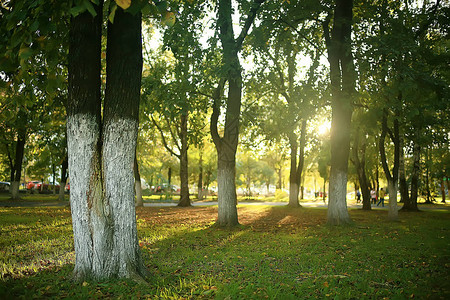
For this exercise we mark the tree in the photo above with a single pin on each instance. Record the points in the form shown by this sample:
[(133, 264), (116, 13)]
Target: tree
[(102, 145), (226, 145), (173, 104), (342, 77), (31, 73), (358, 158)]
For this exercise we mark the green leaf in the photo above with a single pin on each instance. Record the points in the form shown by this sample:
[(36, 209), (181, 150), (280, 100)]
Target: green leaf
[(90, 8), (123, 3), (76, 10), (25, 52), (112, 13), (16, 38)]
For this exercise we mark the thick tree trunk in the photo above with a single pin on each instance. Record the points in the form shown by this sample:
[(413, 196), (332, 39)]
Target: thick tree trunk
[(101, 156), (342, 76), (14, 189), (227, 200), (184, 172), (226, 146), (124, 71), (340, 148), (137, 183)]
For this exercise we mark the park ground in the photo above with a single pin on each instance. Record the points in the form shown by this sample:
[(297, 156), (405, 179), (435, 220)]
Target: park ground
[(276, 253)]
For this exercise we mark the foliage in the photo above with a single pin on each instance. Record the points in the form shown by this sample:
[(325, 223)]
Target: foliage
[(278, 252)]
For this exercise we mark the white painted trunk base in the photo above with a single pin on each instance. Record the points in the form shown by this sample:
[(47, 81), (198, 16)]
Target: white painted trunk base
[(393, 208), (102, 198), (61, 193), (119, 144), (82, 138), (293, 195), (227, 200), (337, 201), (14, 190), (138, 191)]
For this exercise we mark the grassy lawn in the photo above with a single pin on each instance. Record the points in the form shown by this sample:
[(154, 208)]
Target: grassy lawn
[(277, 253)]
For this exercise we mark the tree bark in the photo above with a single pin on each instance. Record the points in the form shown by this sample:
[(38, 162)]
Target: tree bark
[(200, 176), (403, 185), (293, 180), (360, 165), (415, 177), (184, 172), (227, 200), (101, 154), (16, 166), (411, 202), (392, 179), (63, 181), (342, 76), (226, 146), (137, 183)]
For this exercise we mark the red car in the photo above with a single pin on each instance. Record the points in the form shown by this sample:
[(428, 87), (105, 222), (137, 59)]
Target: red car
[(36, 185)]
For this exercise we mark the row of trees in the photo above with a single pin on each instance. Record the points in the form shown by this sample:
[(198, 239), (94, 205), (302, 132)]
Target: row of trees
[(268, 68)]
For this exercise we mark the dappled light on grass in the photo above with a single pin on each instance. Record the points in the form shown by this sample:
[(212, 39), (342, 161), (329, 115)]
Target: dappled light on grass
[(34, 239), (276, 253)]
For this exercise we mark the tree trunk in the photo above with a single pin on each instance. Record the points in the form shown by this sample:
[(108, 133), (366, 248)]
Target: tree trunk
[(169, 177), (280, 176), (137, 183), (184, 172), (342, 76), (226, 146), (391, 178), (411, 202), (200, 177), (227, 200), (293, 180), (101, 156), (427, 181), (63, 181), (404, 190), (393, 209), (16, 168), (360, 165), (415, 177)]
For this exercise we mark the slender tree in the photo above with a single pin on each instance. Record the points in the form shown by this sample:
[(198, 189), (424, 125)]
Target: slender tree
[(226, 145)]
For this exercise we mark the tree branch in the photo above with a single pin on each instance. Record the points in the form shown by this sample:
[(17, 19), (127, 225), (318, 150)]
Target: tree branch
[(299, 33), (248, 23), (164, 139), (216, 113)]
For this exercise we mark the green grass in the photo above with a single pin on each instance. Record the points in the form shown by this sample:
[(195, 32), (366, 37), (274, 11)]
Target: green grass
[(27, 197), (277, 253)]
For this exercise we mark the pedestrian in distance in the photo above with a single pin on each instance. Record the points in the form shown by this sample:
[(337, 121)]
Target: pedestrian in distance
[(382, 194), (373, 196)]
